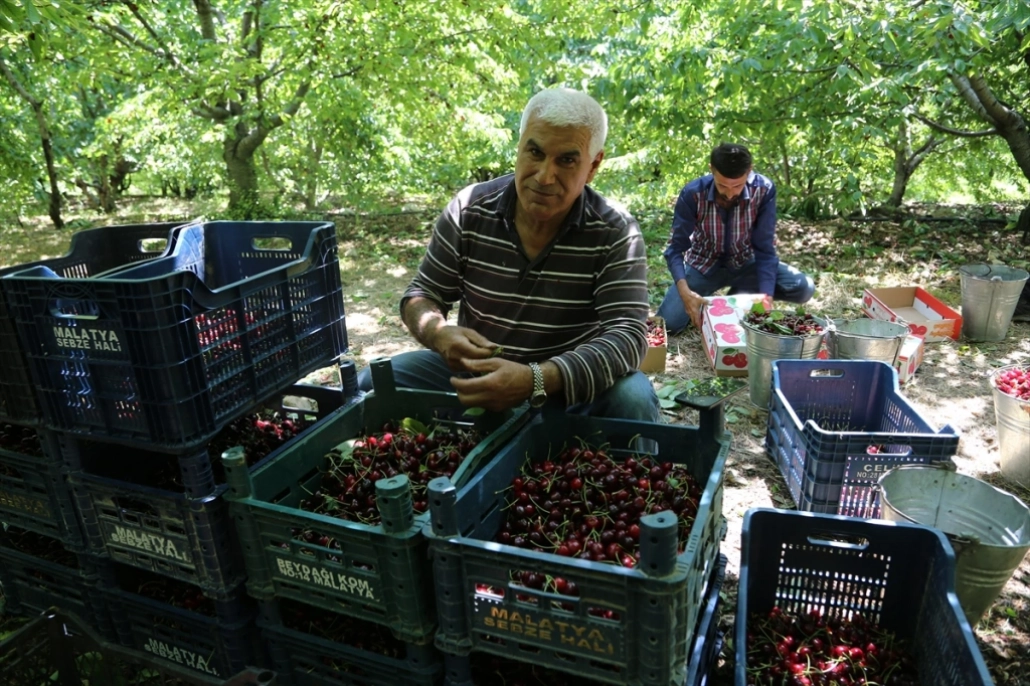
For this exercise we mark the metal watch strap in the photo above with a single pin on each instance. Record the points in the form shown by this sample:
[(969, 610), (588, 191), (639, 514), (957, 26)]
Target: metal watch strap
[(539, 395)]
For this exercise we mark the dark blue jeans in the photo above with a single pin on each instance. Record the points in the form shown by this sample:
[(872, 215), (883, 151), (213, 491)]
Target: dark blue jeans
[(631, 397), (791, 286)]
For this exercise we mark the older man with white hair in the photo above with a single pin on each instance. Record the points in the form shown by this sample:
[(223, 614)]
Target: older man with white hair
[(549, 277)]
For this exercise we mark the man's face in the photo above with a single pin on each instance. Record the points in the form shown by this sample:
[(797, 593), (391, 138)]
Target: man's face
[(552, 167), (728, 189)]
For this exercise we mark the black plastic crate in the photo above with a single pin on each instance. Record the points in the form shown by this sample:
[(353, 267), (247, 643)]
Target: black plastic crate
[(377, 572), (836, 426), (92, 252), (37, 572), (708, 639), (59, 648), (34, 493), (899, 576), (303, 657), (213, 636), (130, 512), (654, 615), (163, 354)]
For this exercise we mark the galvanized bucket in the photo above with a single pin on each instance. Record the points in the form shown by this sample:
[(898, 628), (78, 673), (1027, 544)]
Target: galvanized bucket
[(865, 339), (763, 348), (989, 296), (988, 528), (1012, 417)]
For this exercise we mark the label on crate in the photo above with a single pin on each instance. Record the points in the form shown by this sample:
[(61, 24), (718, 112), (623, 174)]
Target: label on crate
[(326, 578), (151, 543), (86, 338), (867, 470), (20, 502), (570, 634), (180, 655)]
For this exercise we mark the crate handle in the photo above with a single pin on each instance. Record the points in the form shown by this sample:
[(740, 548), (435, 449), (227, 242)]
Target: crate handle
[(152, 246), (272, 243), (837, 539), (71, 308), (822, 373)]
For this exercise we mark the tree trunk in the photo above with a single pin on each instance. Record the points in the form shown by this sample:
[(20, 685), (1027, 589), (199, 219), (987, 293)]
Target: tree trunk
[(243, 179), (901, 176), (311, 182), (54, 209), (1023, 224)]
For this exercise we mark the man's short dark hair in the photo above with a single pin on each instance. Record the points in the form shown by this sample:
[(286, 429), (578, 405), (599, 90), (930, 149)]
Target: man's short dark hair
[(731, 160)]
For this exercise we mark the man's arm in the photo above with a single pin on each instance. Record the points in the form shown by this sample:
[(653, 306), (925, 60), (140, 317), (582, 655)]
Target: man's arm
[(684, 219), (425, 303), (622, 306), (763, 241)]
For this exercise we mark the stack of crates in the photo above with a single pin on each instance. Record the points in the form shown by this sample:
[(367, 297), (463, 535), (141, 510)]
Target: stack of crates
[(43, 551), (139, 368), (318, 577)]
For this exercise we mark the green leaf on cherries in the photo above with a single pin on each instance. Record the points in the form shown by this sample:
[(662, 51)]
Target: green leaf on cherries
[(473, 412), (414, 426)]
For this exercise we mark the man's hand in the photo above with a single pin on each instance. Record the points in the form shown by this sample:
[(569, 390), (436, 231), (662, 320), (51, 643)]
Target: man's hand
[(692, 302), (502, 384), (459, 345)]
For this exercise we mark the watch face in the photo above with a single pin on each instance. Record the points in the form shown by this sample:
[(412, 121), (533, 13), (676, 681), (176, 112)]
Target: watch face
[(538, 400)]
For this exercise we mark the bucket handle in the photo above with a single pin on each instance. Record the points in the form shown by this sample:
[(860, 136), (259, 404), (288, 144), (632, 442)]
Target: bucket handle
[(946, 464), (838, 539)]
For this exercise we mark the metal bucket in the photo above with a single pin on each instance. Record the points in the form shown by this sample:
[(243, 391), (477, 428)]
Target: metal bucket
[(988, 528), (865, 339), (989, 296), (763, 348), (1012, 416)]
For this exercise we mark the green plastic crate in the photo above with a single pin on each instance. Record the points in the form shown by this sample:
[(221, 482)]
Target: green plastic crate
[(380, 572), (656, 604)]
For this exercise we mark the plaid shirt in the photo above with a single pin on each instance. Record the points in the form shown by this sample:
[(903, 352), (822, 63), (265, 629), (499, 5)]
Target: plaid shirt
[(706, 236), (581, 303)]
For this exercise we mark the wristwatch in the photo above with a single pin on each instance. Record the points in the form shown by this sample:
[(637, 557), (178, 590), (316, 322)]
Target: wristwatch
[(539, 396)]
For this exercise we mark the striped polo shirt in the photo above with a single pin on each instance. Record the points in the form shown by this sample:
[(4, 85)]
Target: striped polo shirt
[(581, 303)]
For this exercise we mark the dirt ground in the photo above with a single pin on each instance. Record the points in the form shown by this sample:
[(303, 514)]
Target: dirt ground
[(950, 388)]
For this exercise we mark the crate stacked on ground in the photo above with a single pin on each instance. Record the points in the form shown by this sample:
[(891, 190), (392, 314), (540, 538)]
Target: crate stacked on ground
[(486, 669), (38, 572), (835, 426), (177, 592), (34, 492), (632, 623), (58, 648), (835, 579), (92, 252), (373, 568), (165, 512), (165, 353)]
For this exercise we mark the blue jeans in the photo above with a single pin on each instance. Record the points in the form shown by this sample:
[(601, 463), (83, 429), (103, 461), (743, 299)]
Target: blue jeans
[(791, 286), (631, 397)]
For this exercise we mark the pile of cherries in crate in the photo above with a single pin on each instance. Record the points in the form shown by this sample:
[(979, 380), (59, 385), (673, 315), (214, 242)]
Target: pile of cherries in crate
[(585, 504), (348, 487), (788, 649)]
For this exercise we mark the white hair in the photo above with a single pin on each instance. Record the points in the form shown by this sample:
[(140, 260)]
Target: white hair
[(567, 107)]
